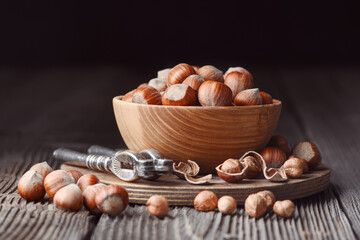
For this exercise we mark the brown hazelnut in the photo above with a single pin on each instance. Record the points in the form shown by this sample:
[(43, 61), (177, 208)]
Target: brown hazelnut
[(213, 93), (69, 198), (269, 198), (248, 97), (163, 73), (194, 81), (89, 196), (304, 163), (159, 84), (87, 180), (147, 95), (157, 205), (128, 97), (112, 199), (284, 208), (205, 201), (75, 174), (179, 95), (43, 168), (231, 166), (227, 205), (293, 167), (280, 142), (266, 98), (210, 73), (56, 180), (255, 205), (238, 80), (309, 152), (179, 73), (30, 186), (273, 157)]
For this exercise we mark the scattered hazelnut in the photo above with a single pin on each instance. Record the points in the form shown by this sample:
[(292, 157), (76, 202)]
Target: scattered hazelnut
[(69, 198), (248, 97), (238, 80), (266, 98), (254, 167), (293, 167), (146, 95), (128, 97), (112, 199), (273, 157), (179, 95), (304, 163), (163, 73), (56, 180), (89, 196), (75, 174), (159, 84), (255, 205), (87, 180), (281, 143), (269, 198), (30, 186), (227, 205), (210, 73), (179, 73), (309, 152), (205, 201), (43, 168), (194, 81), (231, 166), (213, 93), (284, 208), (157, 205)]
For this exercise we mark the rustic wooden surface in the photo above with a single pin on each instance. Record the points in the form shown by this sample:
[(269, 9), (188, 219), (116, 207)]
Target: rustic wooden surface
[(42, 109), (181, 193)]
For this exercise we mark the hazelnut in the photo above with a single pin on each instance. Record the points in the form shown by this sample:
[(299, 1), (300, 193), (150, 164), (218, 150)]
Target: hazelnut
[(255, 205), (238, 81), (89, 196), (142, 85), (231, 166), (69, 198), (146, 95), (163, 73), (284, 208), (309, 152), (273, 157), (56, 180), (194, 81), (304, 163), (179, 73), (266, 98), (227, 205), (179, 95), (128, 97), (242, 70), (112, 199), (30, 186), (254, 167), (75, 174), (293, 167), (159, 84), (205, 201), (43, 168), (213, 93), (157, 205), (87, 180), (210, 73), (269, 198), (248, 97), (281, 143)]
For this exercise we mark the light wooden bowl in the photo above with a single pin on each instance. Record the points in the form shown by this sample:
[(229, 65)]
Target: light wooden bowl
[(206, 135)]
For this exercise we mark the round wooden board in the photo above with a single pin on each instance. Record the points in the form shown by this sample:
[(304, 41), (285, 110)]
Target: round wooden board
[(179, 192)]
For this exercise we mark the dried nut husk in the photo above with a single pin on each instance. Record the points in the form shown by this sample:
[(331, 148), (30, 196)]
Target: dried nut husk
[(253, 166), (188, 171)]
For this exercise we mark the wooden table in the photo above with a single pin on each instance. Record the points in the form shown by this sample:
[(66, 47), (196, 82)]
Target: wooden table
[(46, 108)]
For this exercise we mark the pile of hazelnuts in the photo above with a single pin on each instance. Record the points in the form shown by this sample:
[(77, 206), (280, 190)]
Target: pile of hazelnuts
[(185, 85)]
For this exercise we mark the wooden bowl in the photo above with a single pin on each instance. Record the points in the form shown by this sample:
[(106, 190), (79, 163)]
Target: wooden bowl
[(206, 135)]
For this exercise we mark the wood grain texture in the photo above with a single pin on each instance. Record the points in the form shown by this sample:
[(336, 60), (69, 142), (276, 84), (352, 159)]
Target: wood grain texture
[(181, 193), (207, 135)]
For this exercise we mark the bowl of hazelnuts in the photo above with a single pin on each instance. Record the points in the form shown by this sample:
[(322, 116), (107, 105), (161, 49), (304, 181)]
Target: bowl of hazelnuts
[(197, 113)]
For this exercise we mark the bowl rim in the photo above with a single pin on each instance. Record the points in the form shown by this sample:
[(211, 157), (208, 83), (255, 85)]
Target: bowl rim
[(276, 102)]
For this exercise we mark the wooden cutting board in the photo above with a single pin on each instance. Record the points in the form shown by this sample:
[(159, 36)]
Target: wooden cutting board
[(181, 193)]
